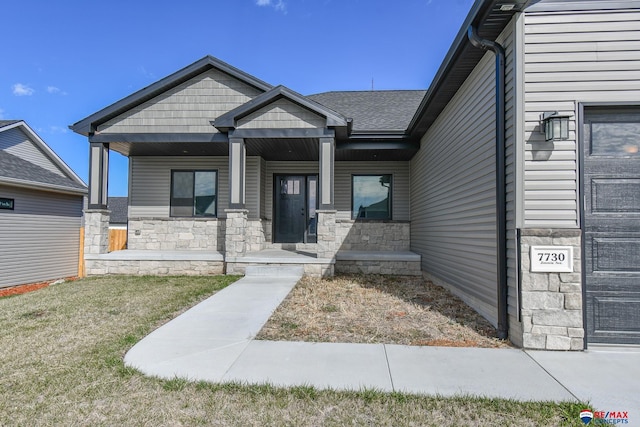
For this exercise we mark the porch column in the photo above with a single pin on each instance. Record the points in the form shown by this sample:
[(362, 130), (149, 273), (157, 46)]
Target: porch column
[(96, 217), (234, 238), (326, 159), (98, 175), (237, 164)]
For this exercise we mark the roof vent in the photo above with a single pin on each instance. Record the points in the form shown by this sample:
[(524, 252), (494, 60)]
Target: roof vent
[(507, 7)]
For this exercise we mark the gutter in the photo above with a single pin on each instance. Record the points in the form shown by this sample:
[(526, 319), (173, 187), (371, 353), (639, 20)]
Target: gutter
[(501, 200)]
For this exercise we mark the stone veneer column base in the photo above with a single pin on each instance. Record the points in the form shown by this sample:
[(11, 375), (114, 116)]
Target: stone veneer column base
[(326, 245), (96, 231), (551, 306), (236, 232)]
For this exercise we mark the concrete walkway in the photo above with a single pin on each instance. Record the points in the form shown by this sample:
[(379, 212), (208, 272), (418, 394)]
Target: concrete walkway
[(214, 342)]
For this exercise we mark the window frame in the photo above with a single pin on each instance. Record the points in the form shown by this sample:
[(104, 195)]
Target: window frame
[(353, 215), (193, 192)]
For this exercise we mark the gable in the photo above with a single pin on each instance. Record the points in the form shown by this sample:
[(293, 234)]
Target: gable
[(282, 114), (186, 108), (15, 142)]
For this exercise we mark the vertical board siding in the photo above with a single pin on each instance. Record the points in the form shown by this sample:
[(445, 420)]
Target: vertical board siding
[(151, 183), (342, 186), (282, 114), (453, 204), (188, 107), (15, 141), (40, 237), (571, 57)]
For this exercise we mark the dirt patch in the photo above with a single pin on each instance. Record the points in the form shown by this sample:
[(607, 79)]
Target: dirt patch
[(23, 289), (378, 309)]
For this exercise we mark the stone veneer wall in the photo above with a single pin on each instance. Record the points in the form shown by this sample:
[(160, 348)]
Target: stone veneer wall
[(153, 268), (551, 306), (373, 235), (400, 268), (176, 234)]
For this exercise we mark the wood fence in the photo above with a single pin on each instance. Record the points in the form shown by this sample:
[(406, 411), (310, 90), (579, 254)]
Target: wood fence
[(117, 240)]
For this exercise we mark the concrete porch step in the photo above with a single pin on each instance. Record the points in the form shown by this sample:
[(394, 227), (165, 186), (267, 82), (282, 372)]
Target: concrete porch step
[(274, 271)]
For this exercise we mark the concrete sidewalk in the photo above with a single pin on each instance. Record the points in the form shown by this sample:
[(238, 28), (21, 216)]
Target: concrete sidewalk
[(214, 342)]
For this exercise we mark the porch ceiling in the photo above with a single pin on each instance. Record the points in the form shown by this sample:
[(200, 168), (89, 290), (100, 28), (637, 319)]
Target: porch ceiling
[(170, 148), (290, 149), (294, 149)]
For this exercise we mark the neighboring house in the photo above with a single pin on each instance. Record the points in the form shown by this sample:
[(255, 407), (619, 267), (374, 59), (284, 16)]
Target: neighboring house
[(40, 209), (119, 208), (461, 176)]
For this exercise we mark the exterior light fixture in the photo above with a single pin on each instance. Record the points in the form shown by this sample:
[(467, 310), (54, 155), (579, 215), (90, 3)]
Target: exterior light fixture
[(555, 126)]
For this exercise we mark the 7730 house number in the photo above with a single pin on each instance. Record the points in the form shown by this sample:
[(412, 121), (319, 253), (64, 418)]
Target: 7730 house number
[(551, 259)]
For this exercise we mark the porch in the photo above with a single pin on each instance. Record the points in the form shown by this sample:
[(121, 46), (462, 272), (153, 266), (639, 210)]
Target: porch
[(193, 262)]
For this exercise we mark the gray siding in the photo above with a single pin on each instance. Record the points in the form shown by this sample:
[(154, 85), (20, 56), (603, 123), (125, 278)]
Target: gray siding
[(253, 184), (453, 203), (15, 141), (342, 186), (150, 183), (282, 114), (40, 237), (188, 107), (570, 57)]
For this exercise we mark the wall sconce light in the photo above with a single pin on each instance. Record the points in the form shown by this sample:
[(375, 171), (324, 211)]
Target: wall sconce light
[(555, 126)]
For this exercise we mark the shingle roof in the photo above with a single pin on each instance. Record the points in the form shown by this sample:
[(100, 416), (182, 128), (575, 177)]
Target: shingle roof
[(14, 167), (119, 209), (390, 110), (4, 123)]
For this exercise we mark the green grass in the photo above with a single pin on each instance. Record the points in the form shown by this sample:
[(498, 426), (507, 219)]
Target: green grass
[(61, 351)]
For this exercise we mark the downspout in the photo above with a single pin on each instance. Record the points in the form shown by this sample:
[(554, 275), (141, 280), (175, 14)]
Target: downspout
[(501, 200)]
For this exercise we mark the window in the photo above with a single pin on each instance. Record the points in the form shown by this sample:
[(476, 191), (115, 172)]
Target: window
[(613, 132), (371, 196), (193, 193)]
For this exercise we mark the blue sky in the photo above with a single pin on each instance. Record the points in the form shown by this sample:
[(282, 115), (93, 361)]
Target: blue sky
[(63, 61)]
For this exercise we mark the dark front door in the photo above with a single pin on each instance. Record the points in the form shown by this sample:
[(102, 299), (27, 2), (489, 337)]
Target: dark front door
[(611, 144), (295, 208)]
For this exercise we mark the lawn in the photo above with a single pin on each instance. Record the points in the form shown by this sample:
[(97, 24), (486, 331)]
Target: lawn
[(61, 349)]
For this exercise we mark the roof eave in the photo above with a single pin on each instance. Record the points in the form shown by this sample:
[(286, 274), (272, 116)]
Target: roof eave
[(442, 87), (23, 183)]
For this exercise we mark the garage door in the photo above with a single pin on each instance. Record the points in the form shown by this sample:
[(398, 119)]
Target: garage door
[(611, 141)]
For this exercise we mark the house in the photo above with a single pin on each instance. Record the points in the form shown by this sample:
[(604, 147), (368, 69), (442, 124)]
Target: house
[(513, 180), (40, 209), (118, 208)]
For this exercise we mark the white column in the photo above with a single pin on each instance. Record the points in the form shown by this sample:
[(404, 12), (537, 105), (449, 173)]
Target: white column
[(326, 179)]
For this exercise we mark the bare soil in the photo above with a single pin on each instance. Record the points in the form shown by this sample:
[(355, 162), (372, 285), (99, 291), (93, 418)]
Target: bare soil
[(30, 287), (378, 309)]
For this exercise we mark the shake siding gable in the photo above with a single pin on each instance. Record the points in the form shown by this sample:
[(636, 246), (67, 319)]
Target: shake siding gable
[(186, 108), (571, 57), (453, 192), (282, 114)]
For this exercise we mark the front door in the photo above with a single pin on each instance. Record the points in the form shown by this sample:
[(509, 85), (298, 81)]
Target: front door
[(611, 144), (295, 208)]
